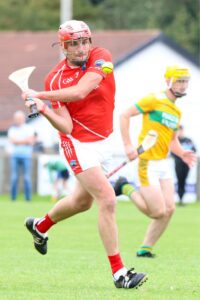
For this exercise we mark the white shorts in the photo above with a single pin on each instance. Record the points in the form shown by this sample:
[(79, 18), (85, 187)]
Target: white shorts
[(82, 156), (150, 172)]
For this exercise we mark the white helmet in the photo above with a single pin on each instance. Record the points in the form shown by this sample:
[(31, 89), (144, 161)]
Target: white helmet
[(73, 30)]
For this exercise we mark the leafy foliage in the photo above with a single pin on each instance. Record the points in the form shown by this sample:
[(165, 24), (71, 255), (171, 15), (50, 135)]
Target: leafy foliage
[(29, 15), (178, 19)]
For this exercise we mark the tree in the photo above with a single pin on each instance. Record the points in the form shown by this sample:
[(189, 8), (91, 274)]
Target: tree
[(178, 19), (96, 2)]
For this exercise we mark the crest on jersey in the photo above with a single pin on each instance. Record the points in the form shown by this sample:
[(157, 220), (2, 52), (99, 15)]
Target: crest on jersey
[(99, 62), (73, 163)]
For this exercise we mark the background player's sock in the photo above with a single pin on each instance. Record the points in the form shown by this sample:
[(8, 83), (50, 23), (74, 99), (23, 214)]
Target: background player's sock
[(144, 249), (127, 189)]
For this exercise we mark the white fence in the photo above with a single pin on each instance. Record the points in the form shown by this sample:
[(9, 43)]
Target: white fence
[(129, 171), (42, 184)]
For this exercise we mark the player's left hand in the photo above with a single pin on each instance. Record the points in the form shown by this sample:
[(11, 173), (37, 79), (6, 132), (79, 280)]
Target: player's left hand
[(29, 94), (189, 157)]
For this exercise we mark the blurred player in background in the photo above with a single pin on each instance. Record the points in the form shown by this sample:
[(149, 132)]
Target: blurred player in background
[(181, 168), (78, 85), (21, 138), (59, 176), (155, 197)]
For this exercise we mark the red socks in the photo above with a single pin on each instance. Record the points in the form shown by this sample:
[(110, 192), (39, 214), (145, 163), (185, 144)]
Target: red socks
[(115, 263), (44, 224)]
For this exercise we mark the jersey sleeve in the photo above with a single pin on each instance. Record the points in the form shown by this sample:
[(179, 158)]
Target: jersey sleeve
[(146, 104), (98, 57)]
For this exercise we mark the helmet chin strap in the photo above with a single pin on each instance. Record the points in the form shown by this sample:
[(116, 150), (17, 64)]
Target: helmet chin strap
[(177, 94)]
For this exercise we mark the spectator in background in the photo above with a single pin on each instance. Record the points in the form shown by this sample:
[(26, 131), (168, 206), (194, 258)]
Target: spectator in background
[(21, 138), (181, 168), (59, 175)]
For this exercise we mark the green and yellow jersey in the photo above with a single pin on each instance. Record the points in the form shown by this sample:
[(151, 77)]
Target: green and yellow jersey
[(162, 115)]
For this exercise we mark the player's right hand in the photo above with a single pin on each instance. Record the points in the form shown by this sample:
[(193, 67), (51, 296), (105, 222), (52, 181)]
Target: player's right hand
[(189, 157), (39, 103), (131, 152)]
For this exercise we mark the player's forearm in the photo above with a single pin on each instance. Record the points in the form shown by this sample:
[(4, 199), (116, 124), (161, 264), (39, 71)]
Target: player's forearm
[(70, 94), (176, 147), (61, 124), (74, 93)]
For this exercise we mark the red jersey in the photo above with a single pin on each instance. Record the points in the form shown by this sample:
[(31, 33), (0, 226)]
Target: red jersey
[(93, 116)]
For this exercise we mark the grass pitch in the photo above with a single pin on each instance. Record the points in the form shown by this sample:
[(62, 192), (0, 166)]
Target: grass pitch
[(76, 267)]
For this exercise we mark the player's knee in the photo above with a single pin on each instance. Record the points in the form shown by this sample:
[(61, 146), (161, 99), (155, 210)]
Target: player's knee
[(108, 203), (84, 205), (106, 199), (169, 211), (158, 214), (163, 213)]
